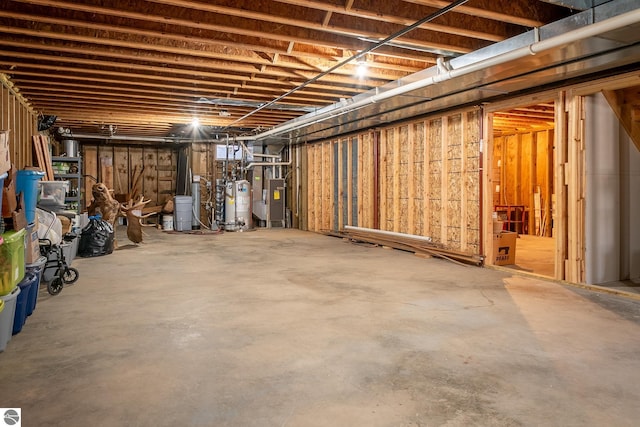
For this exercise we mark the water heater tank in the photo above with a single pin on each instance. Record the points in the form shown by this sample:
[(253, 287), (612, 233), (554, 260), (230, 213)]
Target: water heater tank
[(237, 206)]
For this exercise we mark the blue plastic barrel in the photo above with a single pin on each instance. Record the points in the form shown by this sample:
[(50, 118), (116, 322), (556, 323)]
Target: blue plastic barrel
[(27, 184)]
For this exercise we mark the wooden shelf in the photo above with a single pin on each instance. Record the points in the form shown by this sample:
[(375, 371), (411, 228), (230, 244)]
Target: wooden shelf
[(513, 217), (75, 180)]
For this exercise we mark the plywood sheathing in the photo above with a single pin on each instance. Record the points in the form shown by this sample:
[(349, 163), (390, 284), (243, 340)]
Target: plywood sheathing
[(428, 180), (470, 241), (434, 178), (439, 200), (120, 168), (201, 164), (121, 171), (339, 182), (417, 177), (327, 187), (365, 182)]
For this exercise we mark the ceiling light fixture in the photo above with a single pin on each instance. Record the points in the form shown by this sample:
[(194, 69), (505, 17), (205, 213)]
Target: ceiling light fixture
[(361, 69), (195, 122)]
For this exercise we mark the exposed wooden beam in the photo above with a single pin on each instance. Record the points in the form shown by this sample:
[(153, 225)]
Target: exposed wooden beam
[(624, 103), (519, 12), (408, 14)]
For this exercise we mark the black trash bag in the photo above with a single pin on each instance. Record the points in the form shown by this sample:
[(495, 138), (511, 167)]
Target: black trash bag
[(96, 238)]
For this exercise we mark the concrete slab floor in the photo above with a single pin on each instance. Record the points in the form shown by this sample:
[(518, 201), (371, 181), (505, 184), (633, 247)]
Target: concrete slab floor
[(288, 328)]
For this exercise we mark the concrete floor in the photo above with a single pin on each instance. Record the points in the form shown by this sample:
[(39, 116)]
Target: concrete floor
[(535, 254), (287, 328)]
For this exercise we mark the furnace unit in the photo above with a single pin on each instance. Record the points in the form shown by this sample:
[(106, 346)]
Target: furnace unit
[(275, 203)]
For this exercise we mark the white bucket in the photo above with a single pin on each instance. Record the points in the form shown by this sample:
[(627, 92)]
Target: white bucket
[(497, 226), (167, 222)]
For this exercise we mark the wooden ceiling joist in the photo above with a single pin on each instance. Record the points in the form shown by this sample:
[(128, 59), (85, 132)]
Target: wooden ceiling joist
[(149, 64)]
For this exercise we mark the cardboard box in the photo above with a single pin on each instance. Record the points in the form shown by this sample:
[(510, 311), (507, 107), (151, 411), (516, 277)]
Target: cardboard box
[(9, 200), (5, 156), (504, 248), (31, 245)]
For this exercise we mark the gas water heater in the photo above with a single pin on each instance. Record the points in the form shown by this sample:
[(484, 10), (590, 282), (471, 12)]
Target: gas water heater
[(237, 206)]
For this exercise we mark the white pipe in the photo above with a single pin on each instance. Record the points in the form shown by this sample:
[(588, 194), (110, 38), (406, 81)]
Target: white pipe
[(592, 30), (252, 164), (163, 139), (388, 233)]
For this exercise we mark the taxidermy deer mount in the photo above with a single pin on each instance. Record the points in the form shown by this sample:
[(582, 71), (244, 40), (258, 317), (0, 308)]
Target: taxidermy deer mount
[(134, 221), (104, 203)]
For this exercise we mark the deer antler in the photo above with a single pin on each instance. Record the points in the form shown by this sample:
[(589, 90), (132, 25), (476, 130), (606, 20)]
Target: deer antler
[(132, 206), (134, 223)]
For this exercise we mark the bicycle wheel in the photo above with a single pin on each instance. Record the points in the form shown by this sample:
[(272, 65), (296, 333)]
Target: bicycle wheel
[(55, 286), (70, 275)]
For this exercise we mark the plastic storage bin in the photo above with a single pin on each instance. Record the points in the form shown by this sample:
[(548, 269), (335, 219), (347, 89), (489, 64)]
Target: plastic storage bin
[(52, 194), (32, 280), (20, 315), (6, 317), (36, 270), (27, 184), (11, 260), (182, 213)]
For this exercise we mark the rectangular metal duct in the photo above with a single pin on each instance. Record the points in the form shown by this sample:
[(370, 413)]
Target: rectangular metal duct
[(598, 39)]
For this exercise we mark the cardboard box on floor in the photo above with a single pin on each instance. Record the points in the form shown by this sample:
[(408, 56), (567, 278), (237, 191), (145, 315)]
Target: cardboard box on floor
[(504, 248)]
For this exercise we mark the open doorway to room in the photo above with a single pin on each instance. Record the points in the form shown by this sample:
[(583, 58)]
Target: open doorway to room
[(523, 195)]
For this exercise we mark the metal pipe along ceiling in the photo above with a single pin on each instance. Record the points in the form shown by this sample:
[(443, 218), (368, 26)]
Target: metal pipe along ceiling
[(355, 57), (592, 30)]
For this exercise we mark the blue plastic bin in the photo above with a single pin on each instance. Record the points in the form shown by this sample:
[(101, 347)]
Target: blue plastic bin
[(35, 269), (20, 315), (31, 279), (27, 184)]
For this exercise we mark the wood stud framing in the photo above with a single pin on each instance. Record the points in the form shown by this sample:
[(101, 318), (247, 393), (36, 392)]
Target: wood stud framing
[(20, 120), (414, 199)]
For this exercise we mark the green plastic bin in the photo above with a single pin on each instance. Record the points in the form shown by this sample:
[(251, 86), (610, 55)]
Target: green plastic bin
[(11, 260)]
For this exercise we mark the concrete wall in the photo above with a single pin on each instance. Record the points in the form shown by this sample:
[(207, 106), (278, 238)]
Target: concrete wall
[(612, 197)]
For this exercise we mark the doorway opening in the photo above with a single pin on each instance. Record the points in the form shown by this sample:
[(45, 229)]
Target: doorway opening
[(523, 187)]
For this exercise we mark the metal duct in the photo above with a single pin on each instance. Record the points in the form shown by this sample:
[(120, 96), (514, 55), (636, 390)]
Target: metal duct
[(577, 4), (602, 38)]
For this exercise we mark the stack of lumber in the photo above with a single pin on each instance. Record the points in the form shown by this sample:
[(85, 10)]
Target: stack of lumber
[(43, 156), (406, 242)]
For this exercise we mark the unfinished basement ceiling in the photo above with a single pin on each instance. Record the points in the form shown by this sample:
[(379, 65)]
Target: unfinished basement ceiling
[(146, 68)]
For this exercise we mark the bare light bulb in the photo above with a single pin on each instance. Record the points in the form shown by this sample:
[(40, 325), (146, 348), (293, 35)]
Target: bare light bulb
[(361, 71)]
